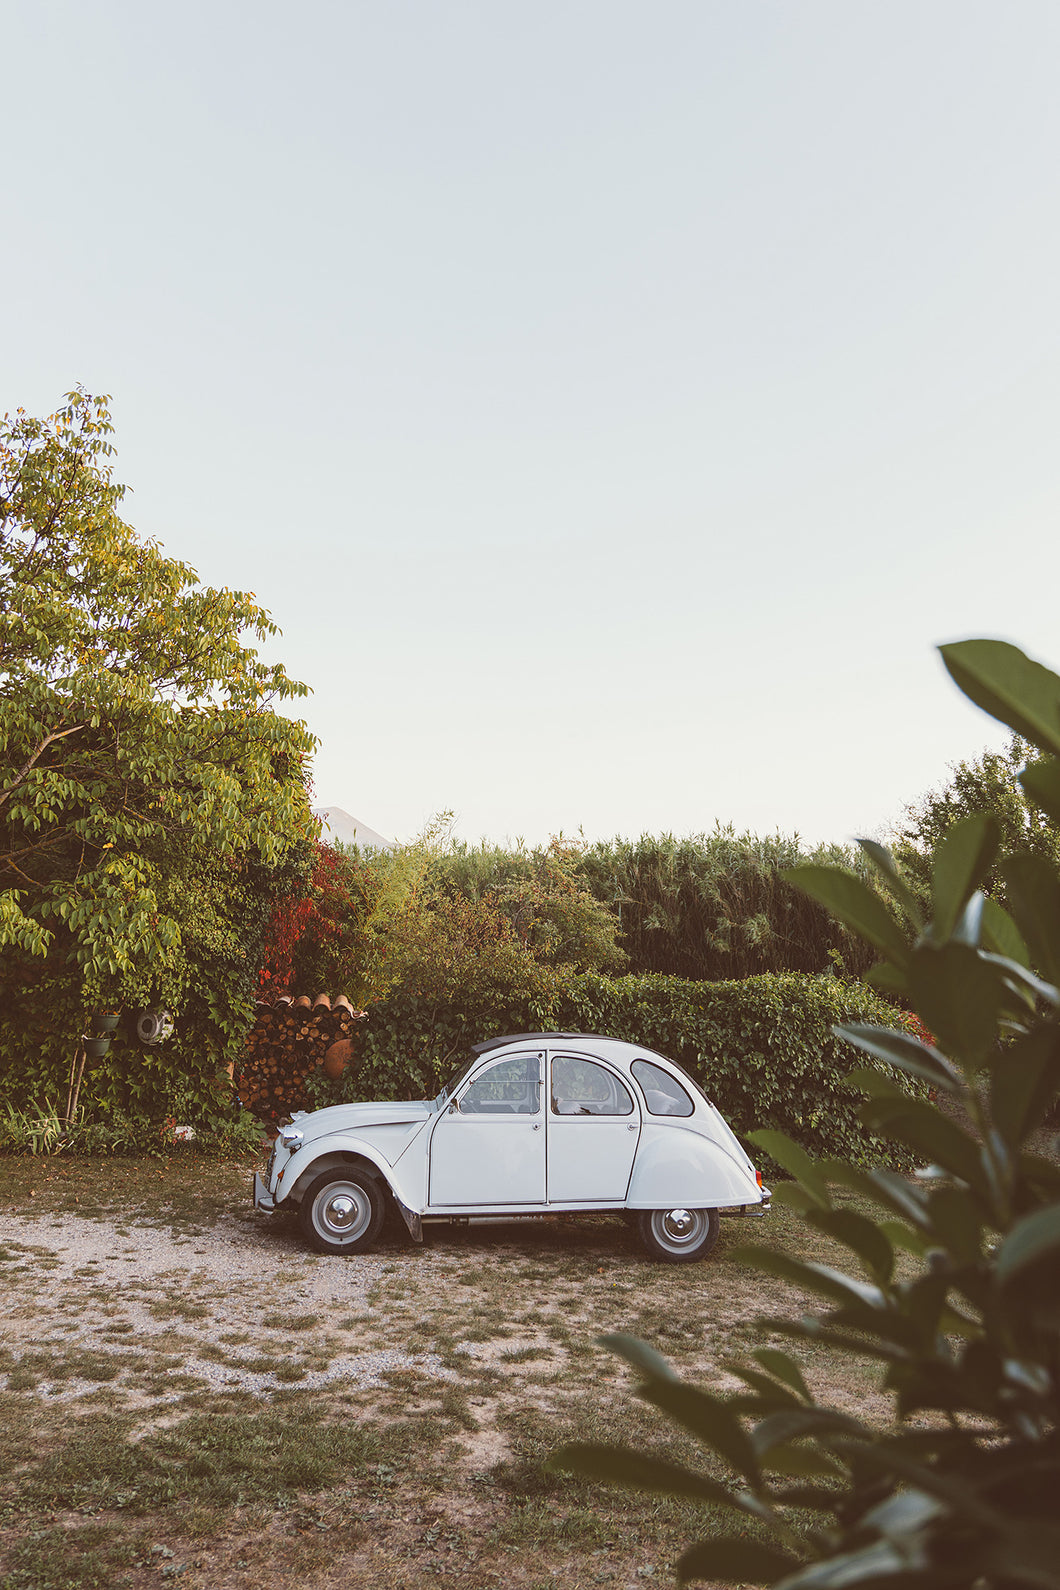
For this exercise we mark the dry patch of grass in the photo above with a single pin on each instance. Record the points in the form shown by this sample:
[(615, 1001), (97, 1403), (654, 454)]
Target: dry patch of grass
[(126, 1459)]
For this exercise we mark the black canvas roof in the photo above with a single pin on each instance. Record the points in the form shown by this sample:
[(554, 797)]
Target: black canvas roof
[(536, 1037)]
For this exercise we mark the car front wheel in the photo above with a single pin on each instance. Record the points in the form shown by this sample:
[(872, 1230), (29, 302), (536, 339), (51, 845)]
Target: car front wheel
[(679, 1236), (342, 1213)]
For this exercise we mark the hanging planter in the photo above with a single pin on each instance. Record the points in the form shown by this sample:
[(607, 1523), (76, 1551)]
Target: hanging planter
[(106, 1022), (96, 1048)]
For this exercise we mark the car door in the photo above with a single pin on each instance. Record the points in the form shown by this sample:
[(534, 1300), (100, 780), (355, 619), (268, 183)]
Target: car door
[(592, 1130), (488, 1146)]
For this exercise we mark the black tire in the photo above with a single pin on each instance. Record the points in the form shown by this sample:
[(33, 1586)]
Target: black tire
[(342, 1212), (679, 1236)]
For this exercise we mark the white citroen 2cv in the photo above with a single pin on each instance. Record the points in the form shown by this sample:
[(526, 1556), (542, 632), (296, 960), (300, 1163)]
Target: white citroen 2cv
[(538, 1123)]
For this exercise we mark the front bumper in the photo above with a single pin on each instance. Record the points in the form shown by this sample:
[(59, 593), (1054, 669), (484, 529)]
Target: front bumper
[(263, 1198)]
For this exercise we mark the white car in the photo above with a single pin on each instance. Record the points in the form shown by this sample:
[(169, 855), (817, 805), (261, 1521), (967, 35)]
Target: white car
[(539, 1123)]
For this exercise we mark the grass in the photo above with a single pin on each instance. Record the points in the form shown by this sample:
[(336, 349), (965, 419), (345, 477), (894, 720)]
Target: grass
[(122, 1462)]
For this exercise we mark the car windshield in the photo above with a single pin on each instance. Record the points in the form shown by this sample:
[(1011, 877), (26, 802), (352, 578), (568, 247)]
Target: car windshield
[(454, 1081)]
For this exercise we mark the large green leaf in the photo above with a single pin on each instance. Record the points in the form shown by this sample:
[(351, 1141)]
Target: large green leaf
[(901, 1049), (885, 865), (854, 903), (934, 1138), (820, 1278), (784, 1368), (875, 1567), (730, 1557), (861, 1235), (1033, 1242), (1010, 686), (958, 999), (962, 861), (639, 1354), (1001, 934), (1024, 1083), (1034, 896), (707, 1418), (1041, 784), (622, 1466), (795, 1161)]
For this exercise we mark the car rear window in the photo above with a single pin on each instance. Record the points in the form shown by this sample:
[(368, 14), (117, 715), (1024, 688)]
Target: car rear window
[(663, 1093)]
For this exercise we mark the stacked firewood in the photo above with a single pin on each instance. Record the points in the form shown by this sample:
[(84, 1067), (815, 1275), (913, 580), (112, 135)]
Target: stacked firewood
[(290, 1038)]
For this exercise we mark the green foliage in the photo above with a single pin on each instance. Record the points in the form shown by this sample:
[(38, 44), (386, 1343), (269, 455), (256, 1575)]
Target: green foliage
[(718, 906), (956, 1289), (763, 1048), (152, 804), (992, 785), (40, 1130), (544, 895)]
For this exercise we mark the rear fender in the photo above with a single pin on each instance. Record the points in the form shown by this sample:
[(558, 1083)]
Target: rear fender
[(675, 1166)]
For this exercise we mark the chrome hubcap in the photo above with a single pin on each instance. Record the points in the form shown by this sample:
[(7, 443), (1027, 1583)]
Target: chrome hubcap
[(341, 1212), (678, 1224)]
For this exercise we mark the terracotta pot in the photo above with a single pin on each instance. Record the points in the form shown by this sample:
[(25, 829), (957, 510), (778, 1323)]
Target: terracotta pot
[(337, 1057)]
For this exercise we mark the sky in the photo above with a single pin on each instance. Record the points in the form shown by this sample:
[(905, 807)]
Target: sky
[(614, 403)]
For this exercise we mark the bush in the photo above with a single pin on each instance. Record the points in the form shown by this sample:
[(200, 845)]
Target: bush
[(961, 1491), (763, 1049)]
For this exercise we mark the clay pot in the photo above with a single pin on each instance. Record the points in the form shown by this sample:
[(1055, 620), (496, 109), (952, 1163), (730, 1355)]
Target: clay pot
[(337, 1057)]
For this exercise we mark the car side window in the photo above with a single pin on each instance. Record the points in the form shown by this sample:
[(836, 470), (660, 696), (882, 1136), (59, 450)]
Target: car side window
[(511, 1087), (581, 1088), (663, 1093)]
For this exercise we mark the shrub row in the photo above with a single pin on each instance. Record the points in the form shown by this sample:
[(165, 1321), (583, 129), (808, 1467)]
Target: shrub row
[(762, 1048)]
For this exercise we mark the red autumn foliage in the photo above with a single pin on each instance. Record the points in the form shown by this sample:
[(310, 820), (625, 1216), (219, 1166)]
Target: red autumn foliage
[(307, 924)]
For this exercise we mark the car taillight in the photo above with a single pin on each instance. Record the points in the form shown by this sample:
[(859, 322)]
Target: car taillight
[(758, 1177)]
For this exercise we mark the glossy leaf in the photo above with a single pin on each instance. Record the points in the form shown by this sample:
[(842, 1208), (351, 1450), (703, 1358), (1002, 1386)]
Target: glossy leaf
[(1010, 686), (622, 1466), (861, 1235), (1034, 1240), (962, 862), (1001, 934), (819, 1278), (904, 1051), (732, 1557), (884, 863), (795, 1160), (1034, 893), (1024, 1083), (854, 903), (1041, 784), (784, 1367), (960, 1004)]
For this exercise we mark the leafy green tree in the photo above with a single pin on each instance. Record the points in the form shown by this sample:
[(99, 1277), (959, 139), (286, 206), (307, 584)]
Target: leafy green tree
[(989, 784), (961, 1491), (152, 800), (545, 896)]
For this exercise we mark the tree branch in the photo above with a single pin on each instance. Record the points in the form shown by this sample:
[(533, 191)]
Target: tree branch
[(27, 767)]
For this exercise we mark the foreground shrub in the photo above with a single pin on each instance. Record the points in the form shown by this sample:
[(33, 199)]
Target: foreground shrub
[(961, 1492)]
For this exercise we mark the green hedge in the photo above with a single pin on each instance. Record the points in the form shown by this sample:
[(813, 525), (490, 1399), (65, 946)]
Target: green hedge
[(762, 1048)]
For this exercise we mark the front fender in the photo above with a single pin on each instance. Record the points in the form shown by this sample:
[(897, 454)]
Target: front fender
[(675, 1166), (334, 1149)]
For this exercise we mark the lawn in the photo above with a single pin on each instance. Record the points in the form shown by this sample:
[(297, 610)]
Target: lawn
[(187, 1392)]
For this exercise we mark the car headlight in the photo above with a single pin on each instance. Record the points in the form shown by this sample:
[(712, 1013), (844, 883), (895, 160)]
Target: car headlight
[(291, 1138)]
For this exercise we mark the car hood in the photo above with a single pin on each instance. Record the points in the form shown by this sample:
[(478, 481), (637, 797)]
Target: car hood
[(350, 1117)]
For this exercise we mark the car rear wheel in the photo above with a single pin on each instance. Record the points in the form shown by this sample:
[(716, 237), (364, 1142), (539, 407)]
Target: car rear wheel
[(679, 1236), (342, 1212)]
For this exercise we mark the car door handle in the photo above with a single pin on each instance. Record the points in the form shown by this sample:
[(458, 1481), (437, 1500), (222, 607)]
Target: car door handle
[(632, 1127), (537, 1126)]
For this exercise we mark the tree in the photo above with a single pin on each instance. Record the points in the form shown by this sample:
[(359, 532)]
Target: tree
[(989, 784), (960, 1493), (151, 798)]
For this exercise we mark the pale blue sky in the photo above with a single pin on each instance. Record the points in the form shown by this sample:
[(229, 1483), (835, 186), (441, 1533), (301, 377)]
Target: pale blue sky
[(613, 402)]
